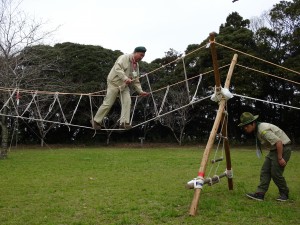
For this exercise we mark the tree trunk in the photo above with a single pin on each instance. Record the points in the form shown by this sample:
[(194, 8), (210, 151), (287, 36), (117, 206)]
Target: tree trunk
[(42, 142), (4, 139)]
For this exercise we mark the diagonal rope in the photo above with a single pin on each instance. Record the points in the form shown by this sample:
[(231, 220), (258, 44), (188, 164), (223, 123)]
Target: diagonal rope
[(154, 103), (10, 98), (196, 91), (29, 104), (75, 110), (164, 99)]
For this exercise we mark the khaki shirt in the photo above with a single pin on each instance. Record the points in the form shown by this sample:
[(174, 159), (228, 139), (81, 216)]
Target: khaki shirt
[(268, 134), (122, 70)]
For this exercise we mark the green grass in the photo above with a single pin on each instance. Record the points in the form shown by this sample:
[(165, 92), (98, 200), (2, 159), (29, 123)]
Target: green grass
[(135, 186)]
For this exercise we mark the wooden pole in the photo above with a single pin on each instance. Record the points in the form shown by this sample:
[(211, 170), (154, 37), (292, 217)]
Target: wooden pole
[(227, 151), (209, 145), (215, 60), (224, 130)]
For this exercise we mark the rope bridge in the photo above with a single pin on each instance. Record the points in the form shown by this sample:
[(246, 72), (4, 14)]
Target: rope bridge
[(22, 103)]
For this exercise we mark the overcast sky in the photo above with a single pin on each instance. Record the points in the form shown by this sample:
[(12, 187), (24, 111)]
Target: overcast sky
[(124, 24)]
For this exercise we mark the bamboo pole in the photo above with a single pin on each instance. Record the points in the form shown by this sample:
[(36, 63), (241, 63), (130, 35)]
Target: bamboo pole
[(209, 145), (201, 172)]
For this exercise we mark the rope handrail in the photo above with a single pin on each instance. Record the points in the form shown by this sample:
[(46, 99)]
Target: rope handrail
[(255, 57), (266, 101), (268, 74)]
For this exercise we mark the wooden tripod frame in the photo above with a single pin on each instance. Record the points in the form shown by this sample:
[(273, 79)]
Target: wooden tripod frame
[(219, 118)]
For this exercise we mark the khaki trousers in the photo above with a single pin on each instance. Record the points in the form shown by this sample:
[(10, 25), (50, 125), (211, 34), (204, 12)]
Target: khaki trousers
[(112, 93)]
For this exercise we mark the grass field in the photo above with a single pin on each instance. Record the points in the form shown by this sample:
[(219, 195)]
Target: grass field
[(90, 186)]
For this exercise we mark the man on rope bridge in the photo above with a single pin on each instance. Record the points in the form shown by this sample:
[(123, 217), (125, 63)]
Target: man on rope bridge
[(123, 74), (274, 139)]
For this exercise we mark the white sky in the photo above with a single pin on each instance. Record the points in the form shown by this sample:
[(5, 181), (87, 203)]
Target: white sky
[(124, 24)]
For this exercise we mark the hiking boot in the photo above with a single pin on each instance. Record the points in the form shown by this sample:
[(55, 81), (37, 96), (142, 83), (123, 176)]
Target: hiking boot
[(283, 197), (125, 126), (256, 196), (95, 125)]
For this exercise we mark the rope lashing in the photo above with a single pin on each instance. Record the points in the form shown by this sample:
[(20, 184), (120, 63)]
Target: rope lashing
[(229, 173), (223, 93), (195, 183), (199, 182)]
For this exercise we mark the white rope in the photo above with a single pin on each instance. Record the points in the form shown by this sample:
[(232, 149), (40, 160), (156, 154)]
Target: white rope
[(75, 110), (269, 102), (46, 121), (164, 99), (15, 106), (174, 110), (91, 108), (50, 107), (155, 107), (121, 100), (199, 81), (186, 80), (5, 104), (38, 110), (217, 149), (27, 107), (133, 110), (62, 112)]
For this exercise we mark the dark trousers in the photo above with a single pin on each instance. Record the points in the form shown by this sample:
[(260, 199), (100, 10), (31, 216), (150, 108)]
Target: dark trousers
[(272, 170)]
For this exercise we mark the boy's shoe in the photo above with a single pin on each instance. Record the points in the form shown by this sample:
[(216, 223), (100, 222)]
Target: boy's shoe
[(125, 126), (256, 196), (283, 197), (95, 125)]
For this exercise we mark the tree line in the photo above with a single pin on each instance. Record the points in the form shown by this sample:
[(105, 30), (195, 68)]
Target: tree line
[(28, 64)]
